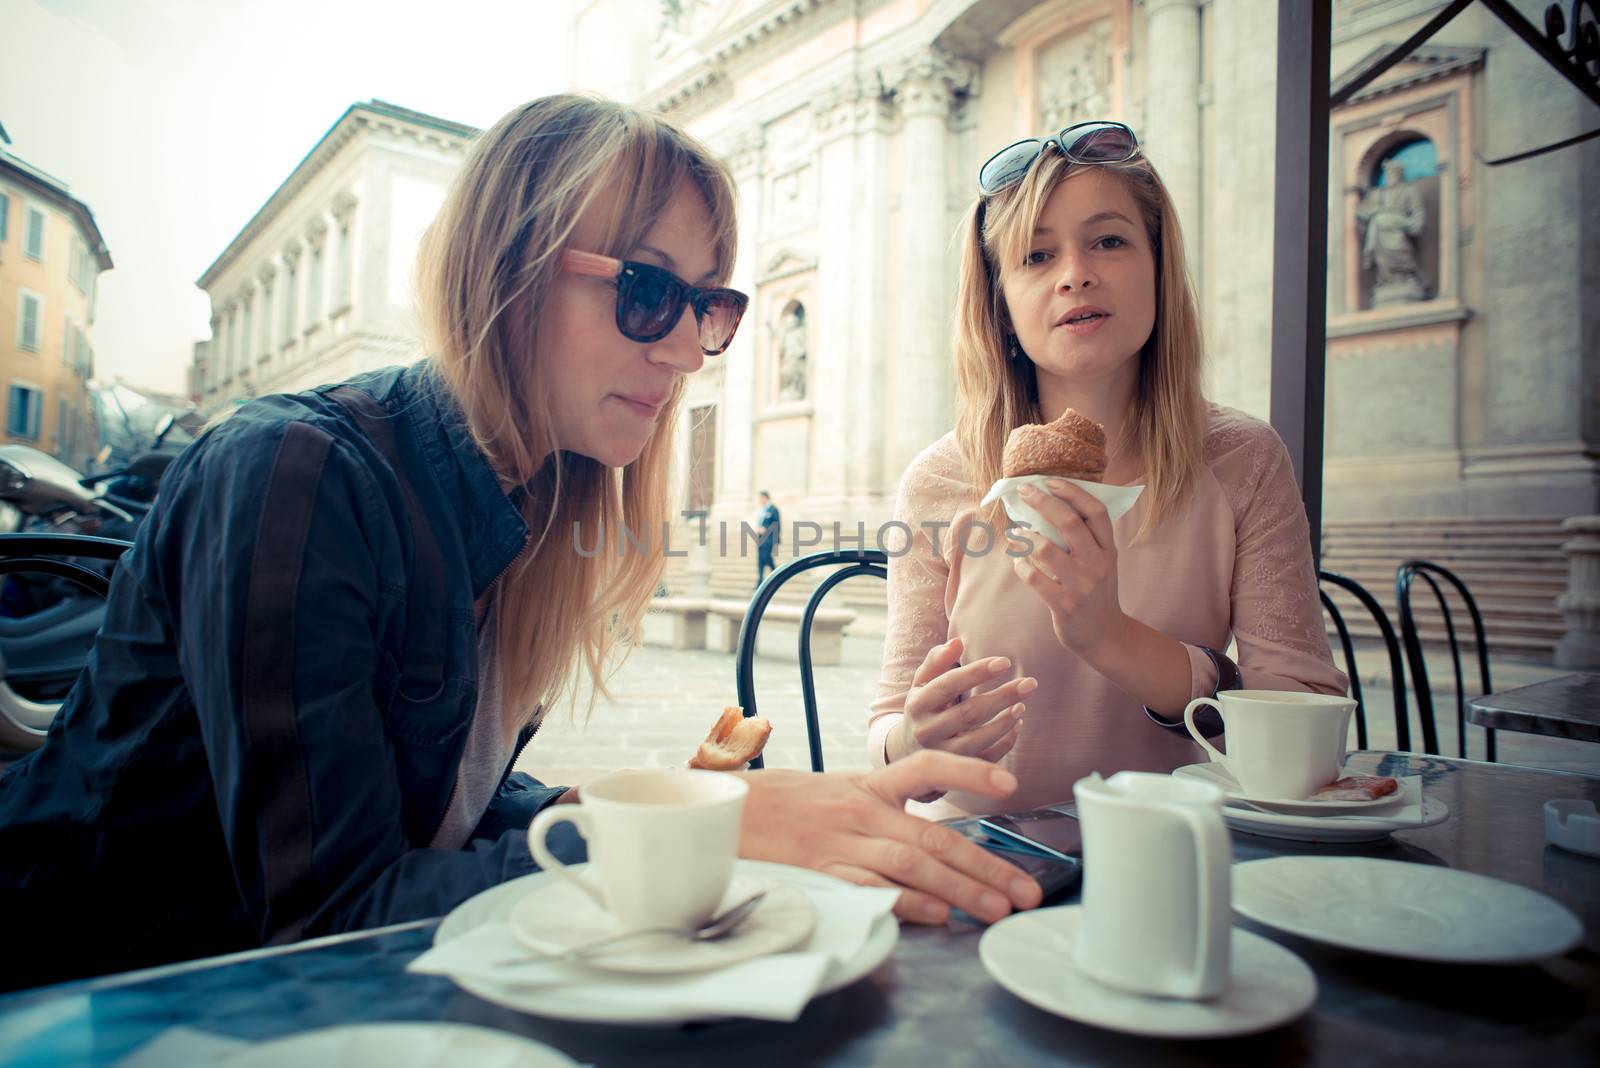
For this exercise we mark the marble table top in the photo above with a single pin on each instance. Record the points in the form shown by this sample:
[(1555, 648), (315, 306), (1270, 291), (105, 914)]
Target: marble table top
[(932, 1003), (1565, 707)]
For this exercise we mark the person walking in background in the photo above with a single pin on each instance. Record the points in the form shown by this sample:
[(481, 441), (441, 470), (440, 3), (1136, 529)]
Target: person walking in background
[(770, 524)]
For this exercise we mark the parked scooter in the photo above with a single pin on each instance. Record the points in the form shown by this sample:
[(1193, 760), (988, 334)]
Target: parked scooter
[(48, 624)]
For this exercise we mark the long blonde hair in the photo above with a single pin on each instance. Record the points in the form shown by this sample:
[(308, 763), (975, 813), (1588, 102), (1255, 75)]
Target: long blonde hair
[(487, 267), (998, 393)]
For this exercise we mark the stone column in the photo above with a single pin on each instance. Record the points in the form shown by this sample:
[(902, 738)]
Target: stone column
[(1172, 125), (230, 343), (267, 345), (833, 366), (736, 434), (921, 369), (1580, 605), (216, 371)]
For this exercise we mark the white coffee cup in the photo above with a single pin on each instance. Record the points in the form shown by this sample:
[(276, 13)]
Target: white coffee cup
[(662, 843), (1281, 744), (1157, 885)]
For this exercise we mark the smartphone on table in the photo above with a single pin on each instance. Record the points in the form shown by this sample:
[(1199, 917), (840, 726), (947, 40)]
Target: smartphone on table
[(1053, 832), (1055, 872)]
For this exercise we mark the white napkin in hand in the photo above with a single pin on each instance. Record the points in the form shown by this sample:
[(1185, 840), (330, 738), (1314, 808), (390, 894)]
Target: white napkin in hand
[(1117, 499), (775, 987)]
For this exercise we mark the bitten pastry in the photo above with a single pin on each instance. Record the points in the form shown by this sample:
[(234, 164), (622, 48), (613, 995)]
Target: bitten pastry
[(733, 742), (1073, 446), (1357, 788)]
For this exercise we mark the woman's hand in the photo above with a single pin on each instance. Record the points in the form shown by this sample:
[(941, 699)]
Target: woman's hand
[(940, 715), (855, 826), (1079, 583)]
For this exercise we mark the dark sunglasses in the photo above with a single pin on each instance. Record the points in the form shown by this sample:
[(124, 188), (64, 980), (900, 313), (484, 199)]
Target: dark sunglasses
[(650, 300), (1082, 142)]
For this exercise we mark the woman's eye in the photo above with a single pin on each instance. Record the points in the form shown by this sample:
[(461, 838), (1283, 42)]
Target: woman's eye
[(1036, 257), (1110, 241)]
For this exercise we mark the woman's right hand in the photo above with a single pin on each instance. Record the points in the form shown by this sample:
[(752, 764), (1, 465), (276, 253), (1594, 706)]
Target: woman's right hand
[(939, 714)]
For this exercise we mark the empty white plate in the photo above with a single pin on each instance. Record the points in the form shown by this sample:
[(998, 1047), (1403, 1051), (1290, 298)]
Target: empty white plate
[(1030, 954), (1396, 909)]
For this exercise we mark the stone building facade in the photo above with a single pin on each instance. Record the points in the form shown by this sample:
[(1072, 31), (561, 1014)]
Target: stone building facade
[(1461, 363), (317, 286), (51, 258)]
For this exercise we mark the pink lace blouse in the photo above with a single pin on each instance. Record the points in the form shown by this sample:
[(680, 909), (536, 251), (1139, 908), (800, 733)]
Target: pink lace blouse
[(1235, 563)]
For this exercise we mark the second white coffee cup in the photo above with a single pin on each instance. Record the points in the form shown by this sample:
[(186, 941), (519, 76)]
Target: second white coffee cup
[(1281, 744), (662, 843)]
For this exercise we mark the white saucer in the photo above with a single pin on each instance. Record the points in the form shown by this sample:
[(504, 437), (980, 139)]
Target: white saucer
[(396, 1045), (1395, 909), (1413, 811), (1030, 954), (558, 916), (1220, 777), (560, 1003)]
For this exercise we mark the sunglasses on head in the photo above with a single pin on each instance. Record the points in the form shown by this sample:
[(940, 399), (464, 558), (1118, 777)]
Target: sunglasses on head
[(650, 300), (1082, 142)]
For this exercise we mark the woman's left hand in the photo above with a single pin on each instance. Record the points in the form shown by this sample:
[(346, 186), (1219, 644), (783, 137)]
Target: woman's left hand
[(1079, 583)]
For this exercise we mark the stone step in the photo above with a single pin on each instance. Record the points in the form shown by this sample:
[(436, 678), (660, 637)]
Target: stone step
[(1444, 555), (1451, 523), (1511, 637)]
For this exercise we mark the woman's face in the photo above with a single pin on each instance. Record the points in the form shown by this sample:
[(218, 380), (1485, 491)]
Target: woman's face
[(1083, 301), (606, 392)]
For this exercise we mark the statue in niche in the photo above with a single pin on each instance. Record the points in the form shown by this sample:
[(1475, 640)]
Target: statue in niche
[(1391, 216), (792, 353)]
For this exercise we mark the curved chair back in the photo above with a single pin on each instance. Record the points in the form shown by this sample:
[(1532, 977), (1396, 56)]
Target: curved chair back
[(1404, 576), (856, 562), (24, 722), (1397, 675)]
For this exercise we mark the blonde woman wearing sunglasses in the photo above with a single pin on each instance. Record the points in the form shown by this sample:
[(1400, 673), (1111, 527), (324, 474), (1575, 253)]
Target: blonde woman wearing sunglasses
[(328, 646), (1057, 662)]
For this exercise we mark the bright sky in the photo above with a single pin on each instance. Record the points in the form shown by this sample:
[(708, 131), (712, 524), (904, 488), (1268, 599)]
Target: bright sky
[(174, 120)]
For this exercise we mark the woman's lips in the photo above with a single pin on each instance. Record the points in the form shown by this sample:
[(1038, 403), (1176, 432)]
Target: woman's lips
[(1083, 321), (644, 406)]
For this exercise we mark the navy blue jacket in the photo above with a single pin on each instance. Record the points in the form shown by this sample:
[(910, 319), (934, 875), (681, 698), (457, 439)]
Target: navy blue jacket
[(256, 753)]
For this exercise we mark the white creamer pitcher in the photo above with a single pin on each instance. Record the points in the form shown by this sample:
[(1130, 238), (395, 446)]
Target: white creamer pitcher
[(1157, 906)]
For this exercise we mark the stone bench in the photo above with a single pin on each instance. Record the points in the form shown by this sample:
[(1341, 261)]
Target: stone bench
[(690, 616)]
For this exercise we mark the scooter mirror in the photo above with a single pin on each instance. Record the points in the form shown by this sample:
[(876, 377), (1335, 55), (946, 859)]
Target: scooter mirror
[(163, 428), (13, 478)]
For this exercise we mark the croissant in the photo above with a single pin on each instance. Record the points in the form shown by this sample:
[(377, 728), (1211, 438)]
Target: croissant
[(1073, 446), (734, 741)]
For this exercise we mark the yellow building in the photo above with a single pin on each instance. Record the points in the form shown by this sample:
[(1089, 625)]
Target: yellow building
[(51, 254)]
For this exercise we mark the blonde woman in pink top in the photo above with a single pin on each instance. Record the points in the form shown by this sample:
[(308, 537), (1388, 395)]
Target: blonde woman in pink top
[(1058, 662)]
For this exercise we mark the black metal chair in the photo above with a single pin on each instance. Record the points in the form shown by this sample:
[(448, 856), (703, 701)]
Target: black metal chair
[(40, 554), (1402, 724), (856, 562), (24, 721), (1410, 636)]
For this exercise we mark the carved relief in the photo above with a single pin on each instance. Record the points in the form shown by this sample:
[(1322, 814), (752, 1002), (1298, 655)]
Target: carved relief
[(792, 198), (1074, 80)]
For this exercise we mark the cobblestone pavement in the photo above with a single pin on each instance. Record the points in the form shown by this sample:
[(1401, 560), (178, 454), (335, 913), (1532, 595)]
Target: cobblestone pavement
[(665, 700)]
